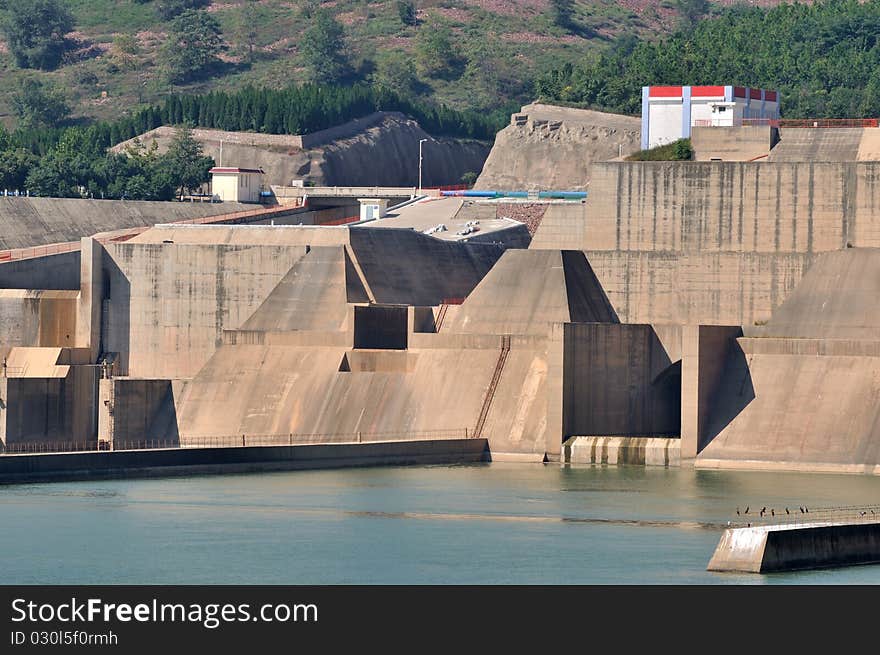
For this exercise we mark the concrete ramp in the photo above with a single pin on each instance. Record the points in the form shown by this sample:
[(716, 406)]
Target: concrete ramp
[(819, 144), (530, 289), (795, 404), (312, 296), (35, 363), (838, 298), (403, 266)]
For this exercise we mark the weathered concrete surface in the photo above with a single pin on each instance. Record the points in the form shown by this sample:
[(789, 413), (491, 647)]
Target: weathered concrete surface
[(381, 149), (802, 393), (206, 461), (38, 318), (793, 547), (53, 272), (619, 380), (733, 143), (26, 222), (843, 144), (706, 349), (548, 147), (622, 451), (529, 290), (837, 299)]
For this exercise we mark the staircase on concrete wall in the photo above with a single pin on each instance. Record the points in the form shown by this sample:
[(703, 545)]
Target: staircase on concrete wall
[(493, 385)]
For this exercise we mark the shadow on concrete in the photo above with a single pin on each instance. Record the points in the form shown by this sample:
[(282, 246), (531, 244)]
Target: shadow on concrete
[(115, 314), (587, 300), (733, 395)]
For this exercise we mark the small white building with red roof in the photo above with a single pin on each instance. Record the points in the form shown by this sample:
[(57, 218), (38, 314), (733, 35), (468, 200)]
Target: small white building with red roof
[(669, 112), (236, 184)]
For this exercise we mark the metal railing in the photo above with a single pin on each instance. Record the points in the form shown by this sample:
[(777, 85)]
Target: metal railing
[(804, 515), (812, 122), (233, 441)]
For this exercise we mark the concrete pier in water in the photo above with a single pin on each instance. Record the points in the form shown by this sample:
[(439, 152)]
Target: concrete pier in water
[(781, 547)]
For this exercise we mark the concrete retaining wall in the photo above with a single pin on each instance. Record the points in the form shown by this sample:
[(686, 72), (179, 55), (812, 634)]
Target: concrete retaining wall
[(202, 461)]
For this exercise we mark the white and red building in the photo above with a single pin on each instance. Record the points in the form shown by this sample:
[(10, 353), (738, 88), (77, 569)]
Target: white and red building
[(669, 112)]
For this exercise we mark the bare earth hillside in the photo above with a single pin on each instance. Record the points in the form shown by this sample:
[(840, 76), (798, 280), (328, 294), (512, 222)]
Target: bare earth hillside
[(549, 147), (382, 149)]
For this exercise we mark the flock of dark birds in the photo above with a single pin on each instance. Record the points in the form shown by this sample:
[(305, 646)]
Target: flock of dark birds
[(803, 510)]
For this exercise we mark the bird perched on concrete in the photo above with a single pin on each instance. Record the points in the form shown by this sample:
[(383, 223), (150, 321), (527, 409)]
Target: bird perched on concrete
[(737, 511), (801, 509), (747, 510), (772, 513), (786, 511)]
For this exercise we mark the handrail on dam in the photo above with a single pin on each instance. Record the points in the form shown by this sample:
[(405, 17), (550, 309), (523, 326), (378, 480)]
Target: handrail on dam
[(235, 441), (803, 515)]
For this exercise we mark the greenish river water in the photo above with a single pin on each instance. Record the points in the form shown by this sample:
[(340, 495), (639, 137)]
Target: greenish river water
[(480, 524)]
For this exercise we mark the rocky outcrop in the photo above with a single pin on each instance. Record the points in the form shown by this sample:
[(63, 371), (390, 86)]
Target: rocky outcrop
[(548, 147), (379, 150)]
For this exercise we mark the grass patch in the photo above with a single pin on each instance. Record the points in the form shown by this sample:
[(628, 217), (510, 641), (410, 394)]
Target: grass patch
[(680, 150)]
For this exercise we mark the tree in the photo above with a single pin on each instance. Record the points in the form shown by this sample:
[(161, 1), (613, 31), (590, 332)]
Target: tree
[(194, 41), (125, 51), (39, 105), (15, 163), (435, 55), (406, 9), (185, 162), (322, 49), (396, 72), (247, 29), (35, 32), (562, 12), (171, 9)]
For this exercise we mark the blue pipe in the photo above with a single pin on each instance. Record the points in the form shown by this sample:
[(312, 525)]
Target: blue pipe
[(559, 195)]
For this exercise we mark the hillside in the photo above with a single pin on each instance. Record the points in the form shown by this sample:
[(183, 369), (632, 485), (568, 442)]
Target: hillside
[(548, 147), (381, 149), (500, 45)]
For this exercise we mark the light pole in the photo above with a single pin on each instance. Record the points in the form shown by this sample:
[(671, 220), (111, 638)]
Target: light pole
[(420, 165)]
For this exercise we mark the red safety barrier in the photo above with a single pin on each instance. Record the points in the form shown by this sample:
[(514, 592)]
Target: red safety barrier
[(342, 221)]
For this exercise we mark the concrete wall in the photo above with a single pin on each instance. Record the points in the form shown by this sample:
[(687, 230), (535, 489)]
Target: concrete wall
[(55, 411), (801, 207), (169, 303), (203, 461), (56, 272), (133, 407), (618, 380), (733, 143), (705, 352), (38, 318), (622, 451)]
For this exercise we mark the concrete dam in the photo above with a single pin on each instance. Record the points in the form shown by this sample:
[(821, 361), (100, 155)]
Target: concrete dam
[(716, 314)]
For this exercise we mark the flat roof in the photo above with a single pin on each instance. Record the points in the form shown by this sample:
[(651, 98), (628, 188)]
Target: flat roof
[(218, 169)]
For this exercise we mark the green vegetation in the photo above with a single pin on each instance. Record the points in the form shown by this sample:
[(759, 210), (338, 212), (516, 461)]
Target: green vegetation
[(680, 150), (824, 58), (77, 166), (35, 32), (323, 49), (193, 45), (38, 105), (406, 9)]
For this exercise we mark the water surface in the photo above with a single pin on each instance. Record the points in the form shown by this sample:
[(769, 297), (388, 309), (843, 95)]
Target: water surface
[(481, 524)]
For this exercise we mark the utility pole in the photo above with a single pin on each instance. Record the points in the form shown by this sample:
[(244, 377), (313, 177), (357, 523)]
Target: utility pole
[(420, 165)]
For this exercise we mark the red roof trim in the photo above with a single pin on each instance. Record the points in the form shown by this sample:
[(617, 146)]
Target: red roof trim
[(218, 169), (707, 91), (739, 92), (664, 92), (755, 94), (770, 96)]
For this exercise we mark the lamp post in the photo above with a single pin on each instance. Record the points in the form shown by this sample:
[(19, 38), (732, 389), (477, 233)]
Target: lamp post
[(420, 165)]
